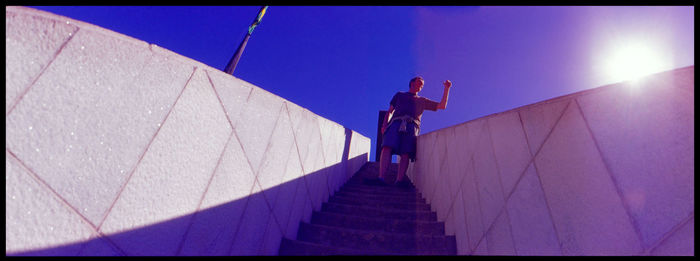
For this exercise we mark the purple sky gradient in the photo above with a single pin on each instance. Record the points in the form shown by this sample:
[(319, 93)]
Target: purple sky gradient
[(345, 63)]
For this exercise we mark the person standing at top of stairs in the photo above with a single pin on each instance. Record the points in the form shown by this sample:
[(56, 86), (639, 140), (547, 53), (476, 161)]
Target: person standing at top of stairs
[(401, 132)]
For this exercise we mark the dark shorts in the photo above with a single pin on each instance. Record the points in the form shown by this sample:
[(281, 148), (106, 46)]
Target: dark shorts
[(401, 142)]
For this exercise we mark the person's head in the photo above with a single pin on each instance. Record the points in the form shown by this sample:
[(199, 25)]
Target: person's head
[(416, 84)]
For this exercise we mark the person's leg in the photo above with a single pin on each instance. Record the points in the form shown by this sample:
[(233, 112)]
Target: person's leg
[(390, 142), (384, 161), (406, 151), (403, 165)]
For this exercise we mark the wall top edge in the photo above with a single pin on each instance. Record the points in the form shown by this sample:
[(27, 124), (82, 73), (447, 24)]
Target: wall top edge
[(569, 96), (28, 11), (154, 48)]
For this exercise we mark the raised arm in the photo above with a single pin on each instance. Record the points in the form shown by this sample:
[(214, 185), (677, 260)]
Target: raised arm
[(443, 103)]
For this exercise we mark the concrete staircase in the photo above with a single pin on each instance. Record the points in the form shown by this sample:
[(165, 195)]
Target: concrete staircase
[(362, 219)]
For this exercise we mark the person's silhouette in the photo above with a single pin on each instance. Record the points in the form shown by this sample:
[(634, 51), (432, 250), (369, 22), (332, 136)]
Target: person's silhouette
[(401, 126)]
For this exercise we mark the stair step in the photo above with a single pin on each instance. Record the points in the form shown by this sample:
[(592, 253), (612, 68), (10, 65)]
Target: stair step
[(407, 205), (378, 224), (369, 174), (350, 194), (379, 190), (364, 219), (290, 247), (374, 240), (391, 176), (407, 199), (374, 167), (389, 187), (379, 212)]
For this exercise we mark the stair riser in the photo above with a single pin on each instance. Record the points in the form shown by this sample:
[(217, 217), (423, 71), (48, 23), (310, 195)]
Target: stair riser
[(299, 248), (410, 198), (371, 240), (381, 199), (373, 175), (290, 247), (379, 191), (378, 224), (380, 204), (389, 186), (381, 213)]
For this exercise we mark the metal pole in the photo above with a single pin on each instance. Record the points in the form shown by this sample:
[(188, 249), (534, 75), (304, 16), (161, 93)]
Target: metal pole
[(378, 151), (234, 60), (231, 66)]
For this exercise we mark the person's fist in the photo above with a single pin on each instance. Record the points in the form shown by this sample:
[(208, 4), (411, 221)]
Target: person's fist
[(447, 83)]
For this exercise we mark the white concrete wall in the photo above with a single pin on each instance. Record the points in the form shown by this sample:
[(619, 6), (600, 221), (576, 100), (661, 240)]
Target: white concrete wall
[(118, 147), (607, 171)]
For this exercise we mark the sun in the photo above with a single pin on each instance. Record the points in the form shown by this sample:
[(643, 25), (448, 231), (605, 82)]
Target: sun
[(632, 61)]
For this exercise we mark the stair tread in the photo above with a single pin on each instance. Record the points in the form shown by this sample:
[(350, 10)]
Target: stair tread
[(380, 204), (387, 199), (372, 240), (377, 223), (380, 197), (388, 187), (291, 247), (378, 190), (376, 232), (378, 212)]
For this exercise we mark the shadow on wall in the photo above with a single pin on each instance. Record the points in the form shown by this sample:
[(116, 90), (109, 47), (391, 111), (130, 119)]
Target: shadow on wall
[(245, 226)]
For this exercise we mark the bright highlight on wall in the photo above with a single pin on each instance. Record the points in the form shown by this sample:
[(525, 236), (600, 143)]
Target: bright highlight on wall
[(631, 61)]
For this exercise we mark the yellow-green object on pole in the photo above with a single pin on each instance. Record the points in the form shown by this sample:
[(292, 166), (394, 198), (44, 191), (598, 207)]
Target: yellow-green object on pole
[(231, 66), (257, 20)]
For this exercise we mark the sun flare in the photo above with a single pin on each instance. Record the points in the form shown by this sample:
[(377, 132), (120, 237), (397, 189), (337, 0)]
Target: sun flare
[(633, 61)]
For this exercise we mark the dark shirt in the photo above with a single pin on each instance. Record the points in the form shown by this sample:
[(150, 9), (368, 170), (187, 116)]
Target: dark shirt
[(407, 103)]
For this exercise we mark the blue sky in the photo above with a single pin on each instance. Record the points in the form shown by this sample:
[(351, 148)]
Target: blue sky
[(345, 63)]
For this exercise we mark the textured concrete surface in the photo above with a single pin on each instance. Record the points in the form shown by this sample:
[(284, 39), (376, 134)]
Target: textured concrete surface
[(30, 59), (213, 232), (118, 147), (528, 211), (499, 237), (586, 209), (35, 218), (653, 124), (180, 160), (510, 148), (607, 171)]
